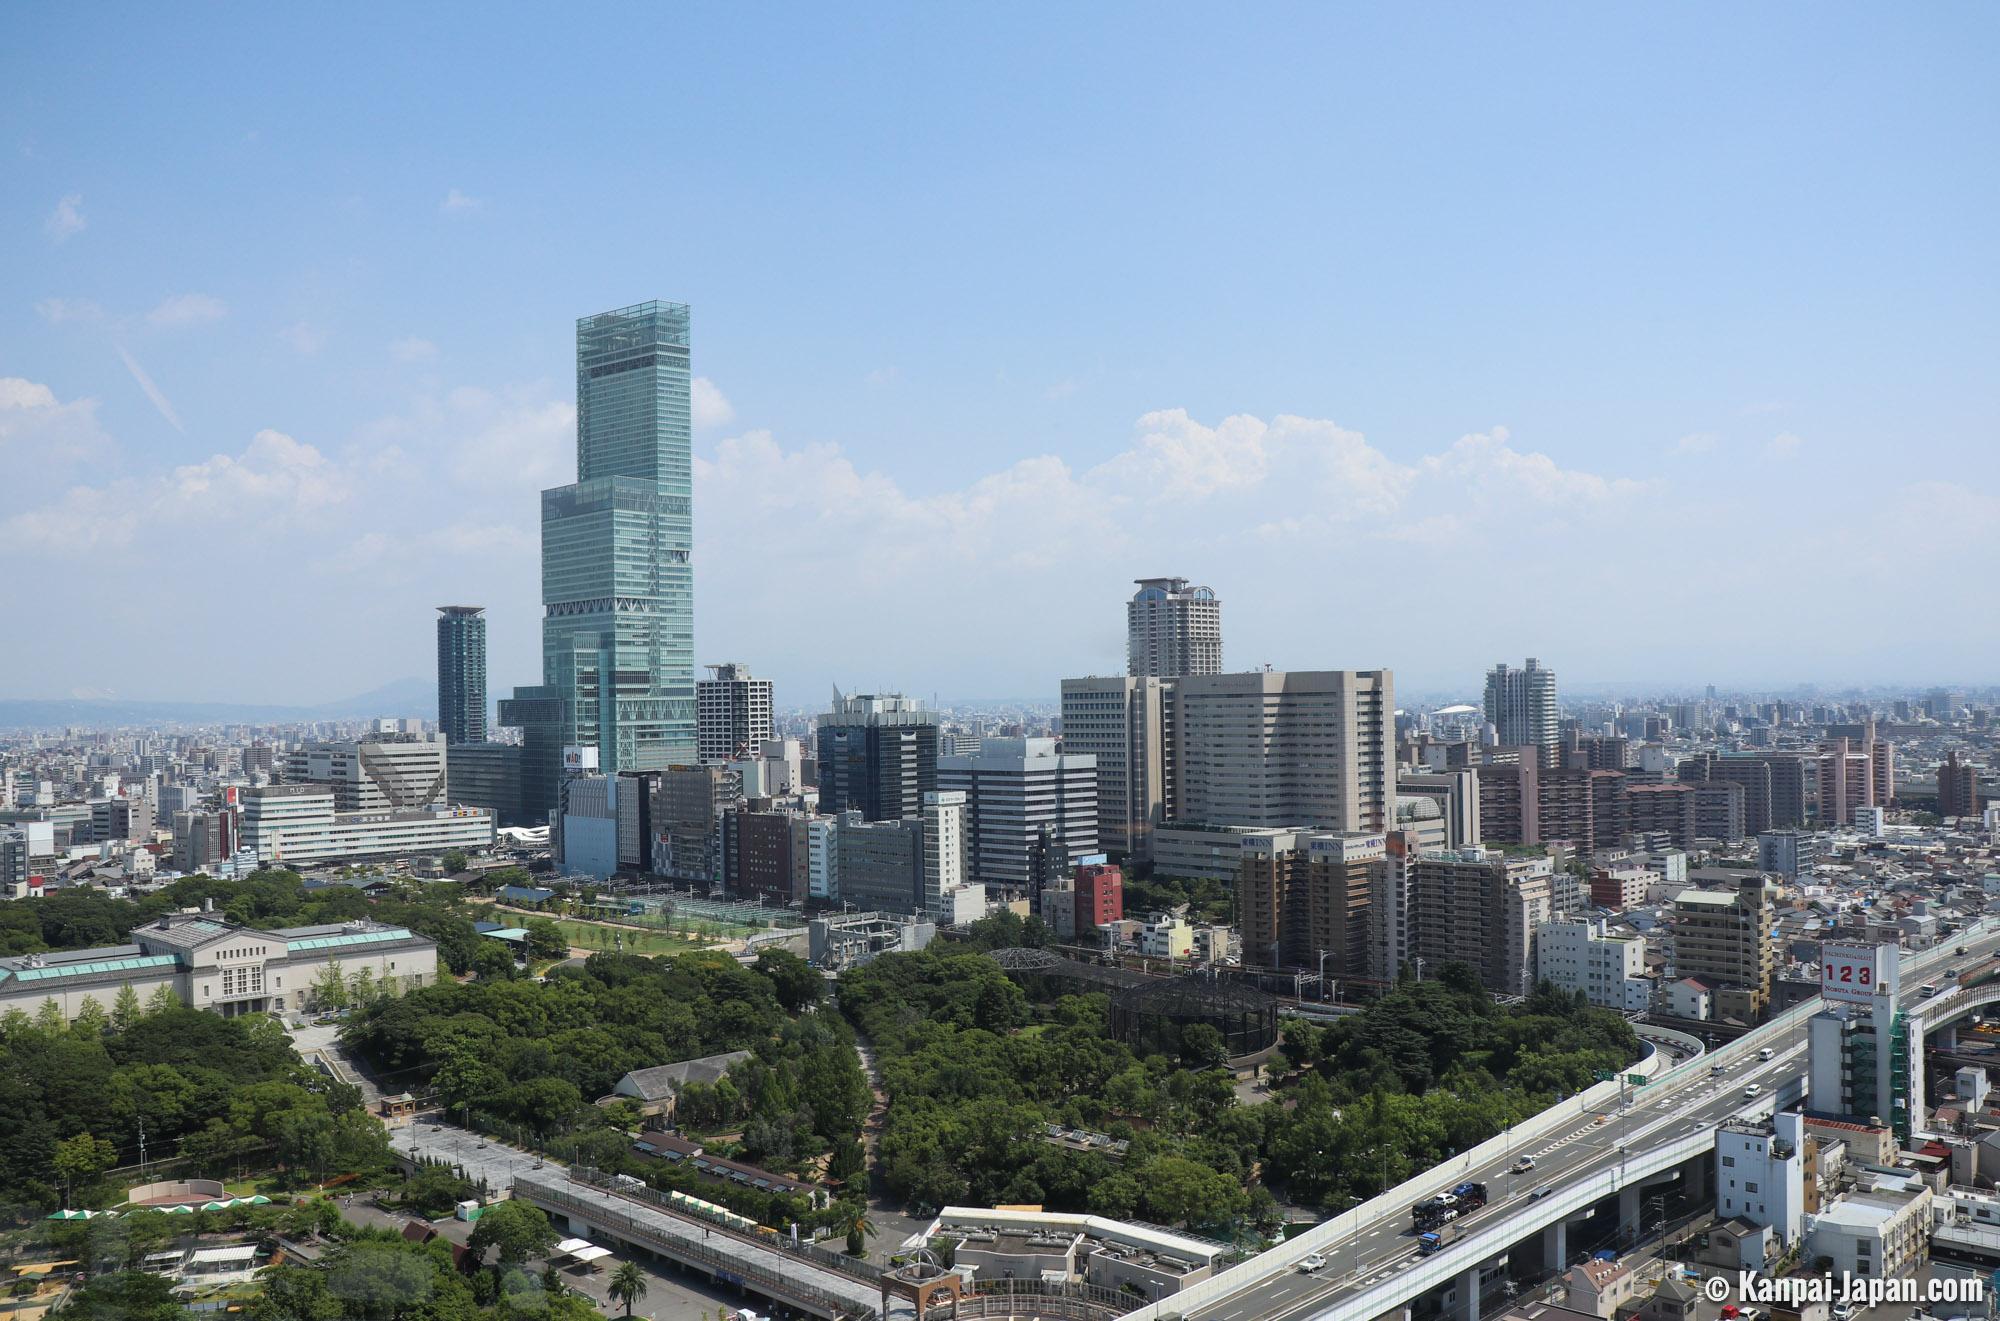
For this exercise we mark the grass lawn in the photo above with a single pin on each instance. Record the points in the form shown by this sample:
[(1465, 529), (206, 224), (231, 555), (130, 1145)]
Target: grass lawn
[(596, 936)]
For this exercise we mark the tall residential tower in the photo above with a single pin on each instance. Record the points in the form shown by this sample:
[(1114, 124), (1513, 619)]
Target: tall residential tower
[(462, 673), (1172, 629), (1521, 707), (732, 713), (617, 586)]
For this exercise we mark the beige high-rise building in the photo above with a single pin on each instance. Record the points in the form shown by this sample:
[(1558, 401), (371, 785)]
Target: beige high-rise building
[(1173, 629), (1480, 908), (1722, 934), (1121, 721), (375, 775), (1296, 750)]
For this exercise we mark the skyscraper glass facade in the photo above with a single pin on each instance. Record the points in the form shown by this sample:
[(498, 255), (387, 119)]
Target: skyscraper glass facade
[(462, 673), (617, 586)]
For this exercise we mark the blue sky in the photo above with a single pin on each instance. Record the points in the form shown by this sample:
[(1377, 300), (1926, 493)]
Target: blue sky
[(1427, 337)]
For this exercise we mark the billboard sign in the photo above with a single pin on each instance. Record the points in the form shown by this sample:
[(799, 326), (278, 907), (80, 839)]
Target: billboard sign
[(1856, 973), (579, 758)]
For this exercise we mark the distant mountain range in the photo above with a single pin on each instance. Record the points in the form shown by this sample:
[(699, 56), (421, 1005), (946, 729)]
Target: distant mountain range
[(403, 697)]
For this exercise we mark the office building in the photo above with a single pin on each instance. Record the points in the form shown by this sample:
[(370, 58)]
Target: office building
[(584, 837), (1722, 935), (685, 833), (395, 774), (127, 820), (1481, 909), (1014, 788), (203, 841), (1521, 707), (298, 824), (1121, 721), (1581, 954), (461, 673), (1302, 900), (210, 963), (1857, 1047), (732, 713), (881, 864), (1883, 1232), (762, 856), (1173, 629), (877, 755), (617, 582), (1298, 750), (1958, 787), (487, 775)]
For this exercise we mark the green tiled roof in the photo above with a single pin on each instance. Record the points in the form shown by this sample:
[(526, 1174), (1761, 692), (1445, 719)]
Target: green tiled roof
[(133, 964), (345, 940)]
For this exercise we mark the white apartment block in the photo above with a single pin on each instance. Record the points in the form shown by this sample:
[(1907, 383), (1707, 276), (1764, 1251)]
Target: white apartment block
[(1578, 954)]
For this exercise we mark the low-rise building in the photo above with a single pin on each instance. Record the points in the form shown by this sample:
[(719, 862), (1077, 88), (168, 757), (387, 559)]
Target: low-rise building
[(1002, 1244), (1884, 1232), (1581, 954), (1760, 1173), (211, 963)]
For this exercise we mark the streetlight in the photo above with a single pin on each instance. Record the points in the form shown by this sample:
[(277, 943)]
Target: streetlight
[(1322, 976)]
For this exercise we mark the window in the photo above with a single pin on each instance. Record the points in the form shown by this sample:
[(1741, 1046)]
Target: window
[(1729, 1160)]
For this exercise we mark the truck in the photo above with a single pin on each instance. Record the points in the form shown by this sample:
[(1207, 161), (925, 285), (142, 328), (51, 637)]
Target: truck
[(1471, 1196), (1442, 1237), (1435, 1210)]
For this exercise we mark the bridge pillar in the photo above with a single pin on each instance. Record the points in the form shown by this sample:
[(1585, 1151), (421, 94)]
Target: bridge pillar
[(1946, 1038), (1468, 1295), (1694, 1177), (1628, 1210), (1555, 1246)]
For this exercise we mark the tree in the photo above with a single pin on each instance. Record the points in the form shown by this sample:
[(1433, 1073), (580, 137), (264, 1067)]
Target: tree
[(493, 961), (851, 1219), (330, 987), (453, 861), (628, 1285), (125, 1010), (545, 939), (518, 1229), (163, 1000), (363, 989), (81, 1159)]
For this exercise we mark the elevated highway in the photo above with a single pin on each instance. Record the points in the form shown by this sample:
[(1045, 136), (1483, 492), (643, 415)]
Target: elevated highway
[(1593, 1153)]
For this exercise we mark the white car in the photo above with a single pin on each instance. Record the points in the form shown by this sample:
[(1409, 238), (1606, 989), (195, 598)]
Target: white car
[(1754, 1089), (1311, 1262), (1523, 1165)]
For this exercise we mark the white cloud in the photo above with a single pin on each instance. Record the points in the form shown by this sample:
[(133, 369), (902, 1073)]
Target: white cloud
[(1785, 444), (271, 486), (413, 349), (56, 311), (153, 392), (710, 407), (1697, 442), (37, 429), (304, 338), (67, 219), (458, 201), (188, 310), (882, 376)]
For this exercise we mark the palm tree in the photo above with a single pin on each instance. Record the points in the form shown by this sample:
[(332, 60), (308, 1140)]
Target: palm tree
[(854, 1222), (628, 1284)]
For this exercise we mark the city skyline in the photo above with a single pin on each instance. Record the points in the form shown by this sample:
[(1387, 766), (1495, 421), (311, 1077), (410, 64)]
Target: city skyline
[(1530, 363)]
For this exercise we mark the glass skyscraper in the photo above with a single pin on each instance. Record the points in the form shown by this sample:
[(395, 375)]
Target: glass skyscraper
[(617, 587), (462, 673)]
